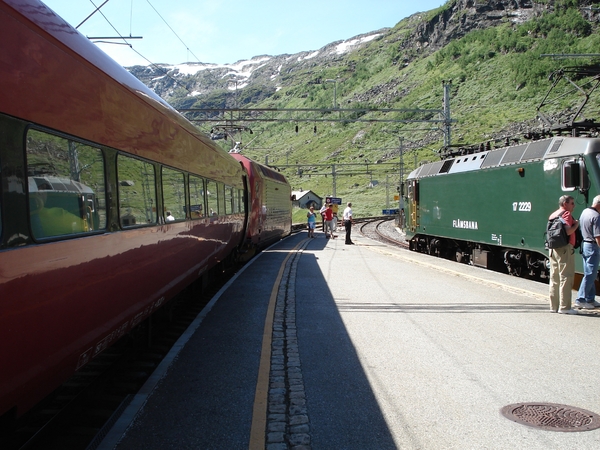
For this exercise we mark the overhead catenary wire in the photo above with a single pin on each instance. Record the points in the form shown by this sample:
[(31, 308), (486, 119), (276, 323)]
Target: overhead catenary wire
[(94, 12), (97, 9), (167, 24), (124, 38)]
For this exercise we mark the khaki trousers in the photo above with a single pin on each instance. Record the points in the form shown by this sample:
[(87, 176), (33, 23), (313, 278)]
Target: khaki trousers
[(562, 274)]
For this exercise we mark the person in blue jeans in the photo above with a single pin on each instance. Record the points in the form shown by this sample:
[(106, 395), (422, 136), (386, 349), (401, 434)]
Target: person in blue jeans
[(590, 252), (312, 221)]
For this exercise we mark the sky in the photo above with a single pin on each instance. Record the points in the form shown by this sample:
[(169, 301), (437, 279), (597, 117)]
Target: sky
[(224, 32)]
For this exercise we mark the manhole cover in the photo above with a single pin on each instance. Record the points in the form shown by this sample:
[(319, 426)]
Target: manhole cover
[(552, 417)]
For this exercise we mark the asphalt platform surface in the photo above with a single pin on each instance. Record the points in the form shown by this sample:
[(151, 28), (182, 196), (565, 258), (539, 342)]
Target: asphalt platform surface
[(376, 348)]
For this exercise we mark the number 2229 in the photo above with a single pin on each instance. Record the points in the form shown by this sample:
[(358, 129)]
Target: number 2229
[(521, 206)]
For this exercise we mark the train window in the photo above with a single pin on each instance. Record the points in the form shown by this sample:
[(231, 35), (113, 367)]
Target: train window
[(65, 185), (221, 196), (196, 197), (574, 175), (173, 187), (240, 201), (229, 200), (212, 198), (137, 193)]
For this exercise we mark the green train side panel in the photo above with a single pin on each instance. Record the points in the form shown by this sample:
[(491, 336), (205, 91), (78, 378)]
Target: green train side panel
[(497, 206)]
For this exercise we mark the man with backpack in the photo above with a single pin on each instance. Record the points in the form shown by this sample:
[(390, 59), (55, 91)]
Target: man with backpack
[(590, 252), (562, 260)]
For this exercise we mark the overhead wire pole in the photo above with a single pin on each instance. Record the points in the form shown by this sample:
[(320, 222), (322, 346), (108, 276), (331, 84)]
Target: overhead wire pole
[(293, 116), (334, 170), (334, 176), (401, 200), (446, 114), (334, 92)]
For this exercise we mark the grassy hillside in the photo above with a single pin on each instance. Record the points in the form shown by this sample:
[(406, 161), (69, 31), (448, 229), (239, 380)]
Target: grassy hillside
[(499, 75)]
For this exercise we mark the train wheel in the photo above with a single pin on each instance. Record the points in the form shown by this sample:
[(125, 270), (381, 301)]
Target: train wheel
[(459, 256)]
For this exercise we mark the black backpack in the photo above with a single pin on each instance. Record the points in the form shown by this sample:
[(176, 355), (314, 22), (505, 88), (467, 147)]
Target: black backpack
[(556, 234)]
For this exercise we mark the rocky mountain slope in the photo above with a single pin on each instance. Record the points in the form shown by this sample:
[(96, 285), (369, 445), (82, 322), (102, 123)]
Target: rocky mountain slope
[(196, 80), (422, 34)]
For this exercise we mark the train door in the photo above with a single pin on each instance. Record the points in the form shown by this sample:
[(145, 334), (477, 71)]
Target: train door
[(413, 204)]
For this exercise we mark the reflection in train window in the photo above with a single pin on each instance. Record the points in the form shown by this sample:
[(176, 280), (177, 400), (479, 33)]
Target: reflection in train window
[(65, 185), (239, 201), (173, 185), (137, 194), (196, 197), (229, 200), (212, 198)]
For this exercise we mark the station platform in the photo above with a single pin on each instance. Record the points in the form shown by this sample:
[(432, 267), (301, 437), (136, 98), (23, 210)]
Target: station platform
[(320, 345)]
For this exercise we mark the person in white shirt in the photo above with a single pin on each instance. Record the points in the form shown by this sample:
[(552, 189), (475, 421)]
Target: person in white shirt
[(169, 217), (348, 223)]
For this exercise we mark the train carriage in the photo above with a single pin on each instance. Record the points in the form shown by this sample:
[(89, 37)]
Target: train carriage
[(270, 210), (491, 208), (90, 162)]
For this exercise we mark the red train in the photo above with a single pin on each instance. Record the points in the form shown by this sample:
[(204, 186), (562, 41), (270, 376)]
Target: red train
[(110, 203), (271, 209)]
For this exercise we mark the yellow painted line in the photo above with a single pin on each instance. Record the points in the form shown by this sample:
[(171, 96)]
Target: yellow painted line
[(259, 410)]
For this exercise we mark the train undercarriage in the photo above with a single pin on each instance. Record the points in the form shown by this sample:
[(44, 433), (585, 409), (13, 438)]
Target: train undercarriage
[(517, 262)]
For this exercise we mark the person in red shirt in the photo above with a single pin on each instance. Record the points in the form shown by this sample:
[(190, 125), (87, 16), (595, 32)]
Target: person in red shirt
[(329, 222), (562, 260)]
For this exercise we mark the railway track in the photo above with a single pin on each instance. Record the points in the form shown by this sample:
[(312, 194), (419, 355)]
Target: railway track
[(383, 230), (79, 413)]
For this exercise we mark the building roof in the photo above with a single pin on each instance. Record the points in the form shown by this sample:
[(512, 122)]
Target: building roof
[(300, 194)]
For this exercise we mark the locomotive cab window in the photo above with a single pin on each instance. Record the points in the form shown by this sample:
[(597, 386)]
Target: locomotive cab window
[(65, 185), (413, 190), (173, 187), (574, 175), (137, 192)]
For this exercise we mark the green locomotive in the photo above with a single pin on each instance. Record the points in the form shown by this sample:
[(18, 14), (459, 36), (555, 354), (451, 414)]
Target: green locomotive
[(490, 209)]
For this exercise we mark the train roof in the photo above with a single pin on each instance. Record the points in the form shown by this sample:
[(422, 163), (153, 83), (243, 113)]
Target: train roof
[(557, 147), (57, 78), (56, 184), (266, 171)]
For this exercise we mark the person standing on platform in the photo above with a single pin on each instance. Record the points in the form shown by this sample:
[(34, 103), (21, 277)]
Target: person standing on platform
[(334, 208), (329, 222), (589, 221), (348, 223), (322, 212), (312, 221), (562, 260)]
